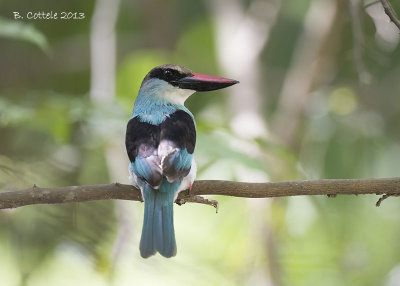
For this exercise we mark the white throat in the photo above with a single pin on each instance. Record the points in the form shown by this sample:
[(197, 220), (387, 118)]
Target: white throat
[(177, 95), (168, 92)]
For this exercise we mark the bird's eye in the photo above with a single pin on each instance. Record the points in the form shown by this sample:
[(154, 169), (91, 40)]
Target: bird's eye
[(168, 74)]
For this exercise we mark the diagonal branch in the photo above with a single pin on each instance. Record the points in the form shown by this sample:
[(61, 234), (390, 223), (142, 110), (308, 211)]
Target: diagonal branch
[(37, 195), (390, 12)]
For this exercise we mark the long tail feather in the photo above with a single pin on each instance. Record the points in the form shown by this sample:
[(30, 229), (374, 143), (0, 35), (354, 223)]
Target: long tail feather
[(158, 226)]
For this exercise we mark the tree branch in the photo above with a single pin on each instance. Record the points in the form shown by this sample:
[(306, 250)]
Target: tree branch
[(389, 11), (37, 195)]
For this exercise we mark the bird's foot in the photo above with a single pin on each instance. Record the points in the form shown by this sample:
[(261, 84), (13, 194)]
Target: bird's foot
[(189, 189)]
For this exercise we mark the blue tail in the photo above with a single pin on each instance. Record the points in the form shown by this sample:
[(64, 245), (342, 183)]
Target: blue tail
[(158, 223)]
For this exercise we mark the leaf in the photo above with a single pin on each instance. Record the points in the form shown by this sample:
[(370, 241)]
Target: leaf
[(26, 32)]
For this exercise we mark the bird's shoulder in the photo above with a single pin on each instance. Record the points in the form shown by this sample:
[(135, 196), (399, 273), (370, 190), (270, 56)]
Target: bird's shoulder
[(141, 136)]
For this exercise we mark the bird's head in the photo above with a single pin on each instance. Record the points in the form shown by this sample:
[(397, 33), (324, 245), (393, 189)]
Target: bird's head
[(176, 83)]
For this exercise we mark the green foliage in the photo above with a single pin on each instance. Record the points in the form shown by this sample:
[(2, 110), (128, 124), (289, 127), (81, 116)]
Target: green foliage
[(197, 42), (132, 71), (26, 32)]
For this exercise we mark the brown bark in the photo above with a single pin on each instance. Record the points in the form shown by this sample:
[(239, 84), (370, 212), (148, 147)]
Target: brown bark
[(389, 11), (37, 195)]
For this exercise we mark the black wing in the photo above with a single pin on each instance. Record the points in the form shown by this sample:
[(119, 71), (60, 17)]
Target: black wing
[(180, 129)]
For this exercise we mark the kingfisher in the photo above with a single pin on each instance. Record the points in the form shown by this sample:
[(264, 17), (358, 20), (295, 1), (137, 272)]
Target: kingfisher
[(160, 142)]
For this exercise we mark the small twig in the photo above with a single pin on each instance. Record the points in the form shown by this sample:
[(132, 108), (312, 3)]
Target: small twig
[(199, 200), (390, 12), (384, 197)]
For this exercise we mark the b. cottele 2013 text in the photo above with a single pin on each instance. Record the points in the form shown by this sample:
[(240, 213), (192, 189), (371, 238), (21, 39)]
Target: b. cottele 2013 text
[(50, 15)]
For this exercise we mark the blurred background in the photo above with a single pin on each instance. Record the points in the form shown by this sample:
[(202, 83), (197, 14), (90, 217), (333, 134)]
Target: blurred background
[(318, 98)]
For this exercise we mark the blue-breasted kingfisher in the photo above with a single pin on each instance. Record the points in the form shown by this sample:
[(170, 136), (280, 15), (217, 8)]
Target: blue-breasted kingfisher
[(160, 141)]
